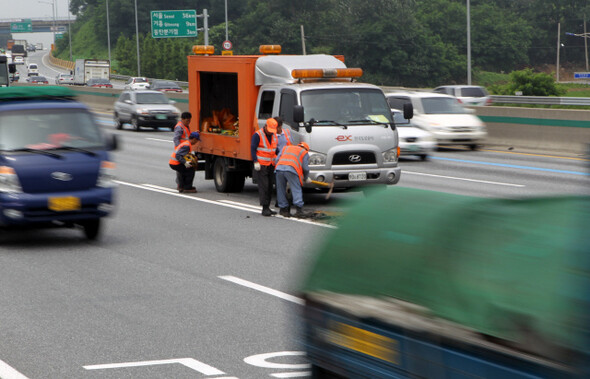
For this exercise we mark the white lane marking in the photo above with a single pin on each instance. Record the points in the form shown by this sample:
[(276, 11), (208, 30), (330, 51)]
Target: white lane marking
[(464, 179), (236, 205), (261, 360), (267, 290), (256, 207), (7, 372), (159, 139), (299, 374), (191, 363)]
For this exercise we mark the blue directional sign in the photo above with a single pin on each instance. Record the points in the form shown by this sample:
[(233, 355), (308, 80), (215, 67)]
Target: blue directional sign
[(581, 75)]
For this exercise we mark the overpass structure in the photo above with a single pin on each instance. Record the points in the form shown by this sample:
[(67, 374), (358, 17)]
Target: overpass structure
[(40, 25)]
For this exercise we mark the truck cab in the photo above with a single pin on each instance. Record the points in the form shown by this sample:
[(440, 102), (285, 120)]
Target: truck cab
[(55, 168)]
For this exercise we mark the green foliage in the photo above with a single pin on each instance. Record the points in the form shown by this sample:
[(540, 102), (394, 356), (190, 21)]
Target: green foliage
[(530, 84), (414, 43), (487, 78)]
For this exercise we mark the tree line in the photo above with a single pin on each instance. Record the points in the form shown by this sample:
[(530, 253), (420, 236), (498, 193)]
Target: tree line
[(414, 43)]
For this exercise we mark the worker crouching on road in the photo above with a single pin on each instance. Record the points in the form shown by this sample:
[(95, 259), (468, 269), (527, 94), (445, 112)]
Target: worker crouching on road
[(292, 167), (184, 162), (263, 149)]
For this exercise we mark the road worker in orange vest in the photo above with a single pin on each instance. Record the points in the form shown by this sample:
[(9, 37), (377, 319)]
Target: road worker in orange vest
[(263, 148), (182, 162), (182, 129), (292, 168)]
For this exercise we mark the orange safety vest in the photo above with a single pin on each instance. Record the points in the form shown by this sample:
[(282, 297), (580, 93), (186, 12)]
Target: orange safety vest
[(173, 160), (266, 153), (287, 134), (293, 156), (185, 132)]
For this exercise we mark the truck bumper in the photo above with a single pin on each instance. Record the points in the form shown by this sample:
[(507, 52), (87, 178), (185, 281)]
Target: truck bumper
[(346, 178), (22, 209)]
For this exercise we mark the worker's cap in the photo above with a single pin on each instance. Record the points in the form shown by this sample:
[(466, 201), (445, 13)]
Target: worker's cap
[(271, 125), (195, 135), (304, 145)]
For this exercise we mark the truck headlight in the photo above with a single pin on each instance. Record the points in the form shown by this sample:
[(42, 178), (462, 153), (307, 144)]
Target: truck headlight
[(317, 159), (106, 175), (143, 111), (391, 155), (9, 180)]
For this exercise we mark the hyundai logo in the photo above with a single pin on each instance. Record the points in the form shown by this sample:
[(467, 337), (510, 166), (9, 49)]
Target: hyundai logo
[(63, 176), (354, 158)]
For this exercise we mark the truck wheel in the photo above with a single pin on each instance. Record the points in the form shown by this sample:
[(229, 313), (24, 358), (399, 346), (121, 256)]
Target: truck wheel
[(227, 181), (135, 124), (91, 228), (118, 123)]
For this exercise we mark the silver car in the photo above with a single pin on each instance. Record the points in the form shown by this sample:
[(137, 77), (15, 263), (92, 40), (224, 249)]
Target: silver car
[(467, 95), (145, 108)]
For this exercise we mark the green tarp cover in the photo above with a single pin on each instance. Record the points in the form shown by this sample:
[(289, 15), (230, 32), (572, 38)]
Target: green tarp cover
[(513, 269), (35, 92)]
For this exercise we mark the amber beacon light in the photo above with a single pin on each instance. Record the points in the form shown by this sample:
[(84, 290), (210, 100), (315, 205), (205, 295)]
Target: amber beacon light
[(270, 49), (203, 49), (327, 73)]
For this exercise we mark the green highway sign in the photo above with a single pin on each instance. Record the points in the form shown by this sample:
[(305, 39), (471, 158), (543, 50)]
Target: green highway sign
[(170, 24), (21, 27)]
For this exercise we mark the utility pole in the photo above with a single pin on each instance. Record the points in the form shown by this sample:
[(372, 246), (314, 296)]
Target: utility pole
[(302, 40), (226, 31), (205, 28), (137, 40), (468, 42), (108, 34), (558, 49), (70, 31)]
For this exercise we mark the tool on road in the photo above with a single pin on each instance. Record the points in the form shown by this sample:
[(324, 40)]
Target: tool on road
[(325, 185)]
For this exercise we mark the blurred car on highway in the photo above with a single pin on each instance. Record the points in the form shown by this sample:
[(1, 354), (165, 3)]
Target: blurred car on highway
[(99, 83), (32, 69), (442, 115), (14, 77), (467, 95), (145, 108), (64, 79), (135, 83), (165, 86), (37, 80), (412, 141), (18, 60)]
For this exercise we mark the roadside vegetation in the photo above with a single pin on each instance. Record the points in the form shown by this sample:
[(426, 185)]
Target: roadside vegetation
[(406, 43)]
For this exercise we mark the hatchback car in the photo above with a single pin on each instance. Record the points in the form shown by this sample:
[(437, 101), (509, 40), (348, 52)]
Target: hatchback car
[(467, 95), (19, 60), (145, 108), (37, 80), (165, 86), (99, 83), (64, 79), (412, 141), (442, 115), (135, 83)]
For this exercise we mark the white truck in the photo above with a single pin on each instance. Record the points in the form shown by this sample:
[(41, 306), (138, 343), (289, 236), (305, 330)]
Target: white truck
[(86, 69), (348, 125)]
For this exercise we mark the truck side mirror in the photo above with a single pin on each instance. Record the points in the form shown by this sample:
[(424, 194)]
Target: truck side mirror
[(408, 111), (12, 68), (298, 113)]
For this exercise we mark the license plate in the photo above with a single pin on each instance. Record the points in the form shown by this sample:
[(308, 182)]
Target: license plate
[(161, 117), (365, 342), (414, 148), (357, 176), (64, 203)]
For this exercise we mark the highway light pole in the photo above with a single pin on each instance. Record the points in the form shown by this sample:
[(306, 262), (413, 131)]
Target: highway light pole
[(137, 40), (468, 42), (70, 31), (52, 3), (108, 33)]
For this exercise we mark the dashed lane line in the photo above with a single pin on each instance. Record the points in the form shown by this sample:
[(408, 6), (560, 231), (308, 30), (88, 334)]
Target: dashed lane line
[(261, 288)]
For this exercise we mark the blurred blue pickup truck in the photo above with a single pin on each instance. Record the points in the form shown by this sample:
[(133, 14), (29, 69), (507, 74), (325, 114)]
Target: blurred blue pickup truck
[(422, 284), (55, 168)]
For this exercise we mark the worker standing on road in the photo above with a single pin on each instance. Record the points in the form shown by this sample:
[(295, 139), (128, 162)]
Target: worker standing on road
[(292, 167), (263, 148), (182, 129), (183, 162), (283, 135)]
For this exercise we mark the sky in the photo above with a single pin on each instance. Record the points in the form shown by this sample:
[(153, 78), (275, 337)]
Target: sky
[(20, 9)]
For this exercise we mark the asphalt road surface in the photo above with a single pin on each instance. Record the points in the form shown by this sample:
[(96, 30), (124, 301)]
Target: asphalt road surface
[(200, 285)]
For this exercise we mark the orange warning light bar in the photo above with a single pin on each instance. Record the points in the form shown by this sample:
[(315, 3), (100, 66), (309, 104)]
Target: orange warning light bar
[(203, 49), (270, 49), (327, 73)]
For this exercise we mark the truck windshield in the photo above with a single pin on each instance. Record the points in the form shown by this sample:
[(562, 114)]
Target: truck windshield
[(44, 129), (345, 105)]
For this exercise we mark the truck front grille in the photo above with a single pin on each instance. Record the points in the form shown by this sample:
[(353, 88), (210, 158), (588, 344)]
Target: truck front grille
[(357, 157)]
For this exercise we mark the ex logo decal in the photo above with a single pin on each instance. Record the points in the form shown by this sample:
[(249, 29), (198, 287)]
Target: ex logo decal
[(343, 138)]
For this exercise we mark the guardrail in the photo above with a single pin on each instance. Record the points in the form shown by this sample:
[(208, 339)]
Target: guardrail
[(541, 100), (126, 77)]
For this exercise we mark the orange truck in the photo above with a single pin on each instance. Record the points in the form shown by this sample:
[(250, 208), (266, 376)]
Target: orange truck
[(9, 44), (348, 125)]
